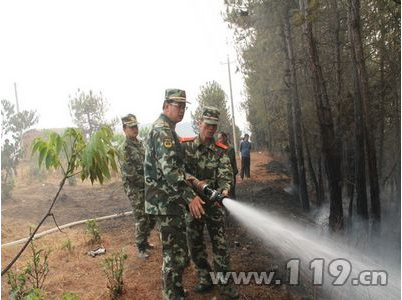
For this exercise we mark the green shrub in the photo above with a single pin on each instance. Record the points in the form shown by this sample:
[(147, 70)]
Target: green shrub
[(93, 230), (7, 185), (113, 268), (18, 288), (28, 284)]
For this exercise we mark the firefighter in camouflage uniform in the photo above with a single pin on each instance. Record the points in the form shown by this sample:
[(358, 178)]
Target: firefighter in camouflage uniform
[(207, 160), (132, 172)]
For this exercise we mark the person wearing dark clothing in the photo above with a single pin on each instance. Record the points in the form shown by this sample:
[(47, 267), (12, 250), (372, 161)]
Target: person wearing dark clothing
[(223, 138), (245, 148)]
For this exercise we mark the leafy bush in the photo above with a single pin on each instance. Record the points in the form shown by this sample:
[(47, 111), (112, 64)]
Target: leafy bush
[(18, 289), (113, 268), (37, 268), (93, 230), (28, 283), (7, 185)]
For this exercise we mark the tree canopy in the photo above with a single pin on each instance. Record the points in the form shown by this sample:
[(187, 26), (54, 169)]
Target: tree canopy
[(88, 111), (212, 94)]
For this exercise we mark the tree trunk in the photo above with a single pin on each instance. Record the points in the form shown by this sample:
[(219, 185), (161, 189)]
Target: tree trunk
[(291, 131), (329, 143), (312, 172), (267, 131), (359, 153), (337, 61), (357, 46), (350, 176), (382, 119), (335, 25), (296, 112), (321, 192), (292, 148)]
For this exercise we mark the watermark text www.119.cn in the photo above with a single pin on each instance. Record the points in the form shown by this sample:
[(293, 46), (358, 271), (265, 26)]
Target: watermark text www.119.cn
[(339, 271)]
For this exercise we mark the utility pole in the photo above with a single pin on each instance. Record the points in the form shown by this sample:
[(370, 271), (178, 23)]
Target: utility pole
[(16, 97), (18, 111), (233, 116)]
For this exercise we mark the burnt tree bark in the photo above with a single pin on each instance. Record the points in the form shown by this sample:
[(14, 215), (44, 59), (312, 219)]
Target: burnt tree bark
[(296, 111), (359, 151), (313, 176), (328, 137), (292, 148), (357, 46)]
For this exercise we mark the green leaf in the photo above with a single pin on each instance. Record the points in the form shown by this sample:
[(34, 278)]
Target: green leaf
[(49, 161), (52, 137), (42, 154), (104, 169), (59, 144), (83, 175), (99, 175), (37, 142), (112, 162)]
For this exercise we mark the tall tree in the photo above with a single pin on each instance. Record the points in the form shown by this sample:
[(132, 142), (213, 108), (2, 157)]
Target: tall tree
[(88, 111), (16, 124), (212, 94), (296, 109), (335, 129), (362, 80), (328, 138), (359, 151)]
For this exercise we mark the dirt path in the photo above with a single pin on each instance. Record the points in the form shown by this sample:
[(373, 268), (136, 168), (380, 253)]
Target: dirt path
[(73, 271)]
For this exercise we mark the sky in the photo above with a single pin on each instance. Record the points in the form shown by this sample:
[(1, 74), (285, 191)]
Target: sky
[(131, 51)]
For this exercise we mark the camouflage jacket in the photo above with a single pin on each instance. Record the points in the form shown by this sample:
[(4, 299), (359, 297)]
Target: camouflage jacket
[(166, 190), (208, 162), (132, 165)]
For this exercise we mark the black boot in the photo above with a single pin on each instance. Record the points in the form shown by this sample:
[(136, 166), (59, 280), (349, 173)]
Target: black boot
[(148, 246), (142, 252)]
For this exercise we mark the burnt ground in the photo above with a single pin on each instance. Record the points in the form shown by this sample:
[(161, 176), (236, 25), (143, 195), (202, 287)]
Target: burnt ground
[(74, 271)]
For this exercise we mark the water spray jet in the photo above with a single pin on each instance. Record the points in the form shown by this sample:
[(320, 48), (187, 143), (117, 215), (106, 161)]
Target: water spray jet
[(317, 252), (314, 255)]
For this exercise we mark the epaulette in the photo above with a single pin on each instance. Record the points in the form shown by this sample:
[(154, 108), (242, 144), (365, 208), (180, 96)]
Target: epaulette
[(186, 139), (223, 146), (162, 124)]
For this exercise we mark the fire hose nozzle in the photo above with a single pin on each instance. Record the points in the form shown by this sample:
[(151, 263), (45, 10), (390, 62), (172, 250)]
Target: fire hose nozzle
[(202, 188)]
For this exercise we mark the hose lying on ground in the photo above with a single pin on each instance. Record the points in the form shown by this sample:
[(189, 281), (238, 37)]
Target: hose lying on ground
[(46, 232)]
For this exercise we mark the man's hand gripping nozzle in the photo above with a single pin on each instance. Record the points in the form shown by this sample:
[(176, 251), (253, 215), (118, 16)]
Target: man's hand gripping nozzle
[(203, 189)]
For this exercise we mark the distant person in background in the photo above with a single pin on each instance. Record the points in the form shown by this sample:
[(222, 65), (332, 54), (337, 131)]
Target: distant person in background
[(132, 173), (245, 148), (223, 138)]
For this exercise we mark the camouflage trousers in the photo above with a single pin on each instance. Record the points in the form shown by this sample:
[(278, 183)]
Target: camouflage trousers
[(175, 255), (214, 220), (143, 223)]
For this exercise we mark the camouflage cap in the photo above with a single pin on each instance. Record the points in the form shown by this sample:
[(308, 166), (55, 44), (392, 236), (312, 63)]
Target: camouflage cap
[(176, 95), (210, 115), (130, 120)]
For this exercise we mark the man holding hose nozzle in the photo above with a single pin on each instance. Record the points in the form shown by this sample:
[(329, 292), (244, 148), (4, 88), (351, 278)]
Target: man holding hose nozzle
[(206, 160)]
